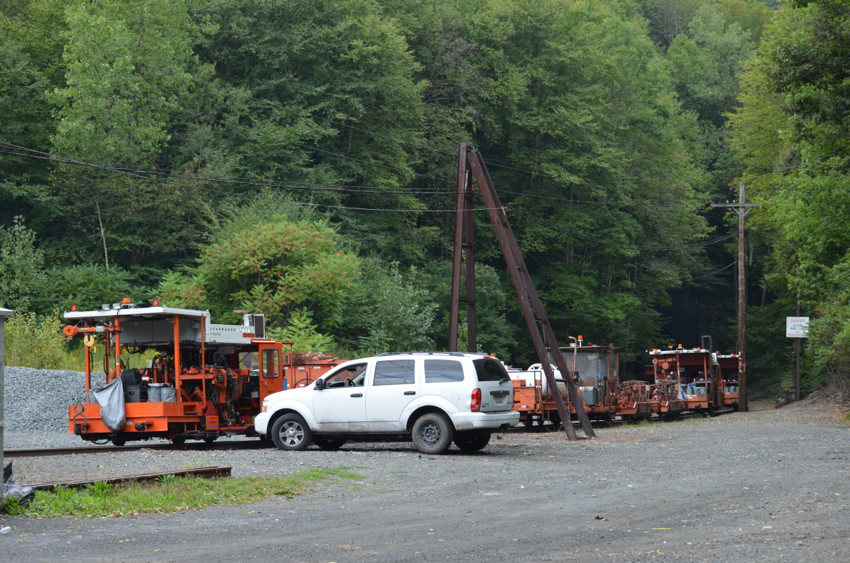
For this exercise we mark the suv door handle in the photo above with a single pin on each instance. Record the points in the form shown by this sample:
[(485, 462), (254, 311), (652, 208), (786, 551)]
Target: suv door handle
[(357, 394), (410, 392)]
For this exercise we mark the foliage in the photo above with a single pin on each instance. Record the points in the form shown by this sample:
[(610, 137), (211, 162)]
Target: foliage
[(668, 18), (36, 341), (707, 63), (273, 268), (332, 88), (21, 266), (88, 287), (116, 114), (303, 333), (142, 140), (493, 302), (387, 310), (792, 135), (605, 137)]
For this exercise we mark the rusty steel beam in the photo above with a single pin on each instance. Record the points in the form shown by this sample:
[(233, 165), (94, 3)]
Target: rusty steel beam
[(530, 303), (464, 229), (205, 472)]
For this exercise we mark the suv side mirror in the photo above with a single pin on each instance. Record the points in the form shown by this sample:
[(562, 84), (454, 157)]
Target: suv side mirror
[(320, 384)]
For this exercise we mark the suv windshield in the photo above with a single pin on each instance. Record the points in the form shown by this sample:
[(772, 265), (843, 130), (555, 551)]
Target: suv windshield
[(490, 369)]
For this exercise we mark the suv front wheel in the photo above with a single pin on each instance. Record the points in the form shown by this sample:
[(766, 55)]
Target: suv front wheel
[(432, 433), (290, 432)]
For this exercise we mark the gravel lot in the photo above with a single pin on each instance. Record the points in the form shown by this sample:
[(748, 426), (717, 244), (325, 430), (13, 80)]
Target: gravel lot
[(764, 485)]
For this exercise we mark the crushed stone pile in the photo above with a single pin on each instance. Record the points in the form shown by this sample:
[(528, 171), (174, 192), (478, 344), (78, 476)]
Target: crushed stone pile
[(37, 400)]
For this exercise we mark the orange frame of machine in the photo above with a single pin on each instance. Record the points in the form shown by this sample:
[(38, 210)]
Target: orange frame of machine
[(693, 372), (218, 374), (728, 367), (598, 371)]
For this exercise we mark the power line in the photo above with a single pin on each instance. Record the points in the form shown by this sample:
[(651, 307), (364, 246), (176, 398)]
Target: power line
[(16, 150), (609, 243)]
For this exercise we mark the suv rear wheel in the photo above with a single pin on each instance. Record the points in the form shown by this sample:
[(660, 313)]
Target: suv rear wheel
[(330, 444), (472, 441), (290, 432), (432, 433)]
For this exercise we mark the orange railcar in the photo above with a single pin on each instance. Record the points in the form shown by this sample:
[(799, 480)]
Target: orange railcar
[(692, 373), (728, 366), (595, 372), (198, 380)]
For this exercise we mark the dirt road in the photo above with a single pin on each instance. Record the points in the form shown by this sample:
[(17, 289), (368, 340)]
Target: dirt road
[(757, 486)]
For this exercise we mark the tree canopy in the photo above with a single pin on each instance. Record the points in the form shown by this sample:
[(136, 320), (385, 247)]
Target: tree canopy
[(299, 159)]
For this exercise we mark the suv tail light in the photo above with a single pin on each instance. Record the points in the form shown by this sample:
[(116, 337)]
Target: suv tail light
[(475, 403)]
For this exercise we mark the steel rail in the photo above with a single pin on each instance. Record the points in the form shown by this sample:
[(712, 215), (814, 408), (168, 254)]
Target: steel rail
[(205, 472), (40, 452)]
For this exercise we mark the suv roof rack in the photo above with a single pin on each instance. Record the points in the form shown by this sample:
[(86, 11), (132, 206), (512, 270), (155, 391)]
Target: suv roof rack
[(425, 353)]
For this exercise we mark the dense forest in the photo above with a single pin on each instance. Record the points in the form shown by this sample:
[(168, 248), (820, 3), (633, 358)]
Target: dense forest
[(299, 158)]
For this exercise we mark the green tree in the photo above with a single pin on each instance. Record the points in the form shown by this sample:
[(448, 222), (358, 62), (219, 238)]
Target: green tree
[(31, 39), (707, 62), (797, 100), (327, 95), (276, 269), (668, 18), (128, 68), (22, 272), (87, 287), (387, 310), (577, 94)]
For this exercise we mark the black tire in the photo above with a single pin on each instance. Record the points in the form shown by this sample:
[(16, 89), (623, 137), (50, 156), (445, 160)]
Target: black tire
[(555, 419), (290, 432), (329, 444), (178, 440), (472, 441), (432, 433), (118, 442), (266, 441)]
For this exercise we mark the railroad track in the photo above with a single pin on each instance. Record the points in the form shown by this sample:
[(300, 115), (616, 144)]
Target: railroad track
[(202, 446), (259, 444), (205, 472)]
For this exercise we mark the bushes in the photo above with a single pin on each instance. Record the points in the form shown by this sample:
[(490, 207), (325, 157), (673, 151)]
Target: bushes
[(36, 341)]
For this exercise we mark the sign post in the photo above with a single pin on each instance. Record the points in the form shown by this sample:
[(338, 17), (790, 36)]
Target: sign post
[(797, 328), (3, 314)]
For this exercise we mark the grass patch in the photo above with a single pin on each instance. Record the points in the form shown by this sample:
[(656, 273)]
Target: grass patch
[(169, 493)]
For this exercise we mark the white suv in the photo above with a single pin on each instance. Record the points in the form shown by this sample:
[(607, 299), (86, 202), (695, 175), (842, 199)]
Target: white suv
[(433, 398)]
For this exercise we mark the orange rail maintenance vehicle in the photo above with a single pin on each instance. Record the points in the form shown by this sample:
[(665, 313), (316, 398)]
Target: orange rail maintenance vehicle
[(595, 372), (198, 380), (693, 372), (728, 366)]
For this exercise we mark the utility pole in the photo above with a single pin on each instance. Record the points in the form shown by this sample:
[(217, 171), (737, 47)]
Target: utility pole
[(741, 208)]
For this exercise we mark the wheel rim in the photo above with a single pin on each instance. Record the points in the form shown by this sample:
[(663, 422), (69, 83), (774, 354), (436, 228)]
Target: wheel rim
[(292, 434), (430, 434)]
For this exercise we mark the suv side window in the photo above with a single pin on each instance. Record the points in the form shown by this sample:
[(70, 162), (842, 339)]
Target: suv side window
[(490, 369), (351, 376), (394, 372), (443, 371)]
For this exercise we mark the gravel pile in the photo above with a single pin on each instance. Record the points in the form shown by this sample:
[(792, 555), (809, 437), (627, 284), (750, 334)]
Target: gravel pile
[(36, 406), (37, 400)]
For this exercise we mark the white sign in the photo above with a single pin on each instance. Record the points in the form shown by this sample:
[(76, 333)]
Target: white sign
[(796, 327)]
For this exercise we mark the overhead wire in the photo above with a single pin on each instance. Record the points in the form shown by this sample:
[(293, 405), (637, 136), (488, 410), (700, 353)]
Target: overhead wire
[(609, 243), (182, 179)]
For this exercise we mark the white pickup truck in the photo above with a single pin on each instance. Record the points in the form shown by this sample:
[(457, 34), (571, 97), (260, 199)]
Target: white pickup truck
[(433, 398)]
